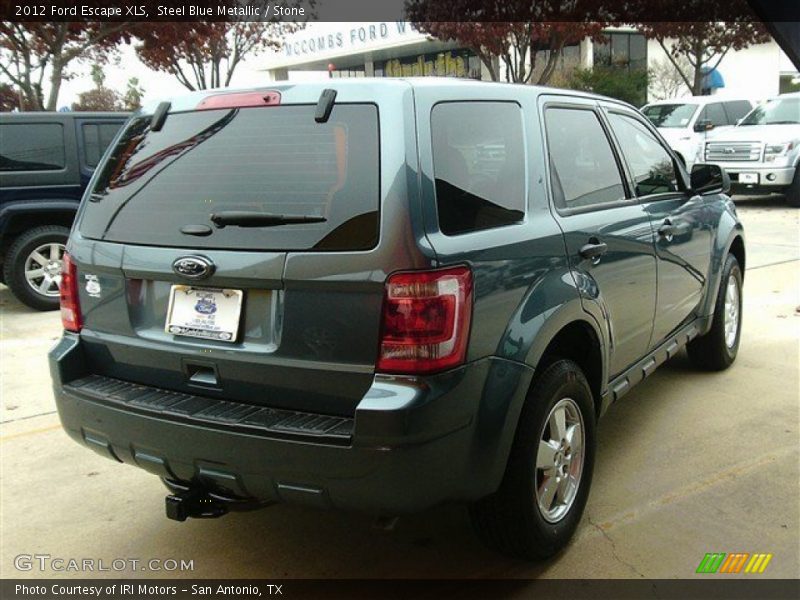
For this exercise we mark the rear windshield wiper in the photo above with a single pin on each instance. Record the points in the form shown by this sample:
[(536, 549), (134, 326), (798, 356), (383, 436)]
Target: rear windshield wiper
[(243, 218)]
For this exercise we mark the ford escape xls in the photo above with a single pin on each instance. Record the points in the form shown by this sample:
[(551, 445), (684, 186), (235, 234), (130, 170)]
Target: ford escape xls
[(383, 295)]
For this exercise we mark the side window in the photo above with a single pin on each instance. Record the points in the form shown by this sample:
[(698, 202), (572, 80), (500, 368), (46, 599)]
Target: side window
[(479, 165), (651, 164), (96, 138), (32, 147), (716, 114), (584, 171), (736, 110)]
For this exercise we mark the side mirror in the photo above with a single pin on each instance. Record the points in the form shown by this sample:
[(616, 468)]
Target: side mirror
[(709, 179), (703, 125)]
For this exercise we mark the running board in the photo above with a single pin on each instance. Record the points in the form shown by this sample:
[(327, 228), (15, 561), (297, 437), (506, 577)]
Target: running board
[(622, 384)]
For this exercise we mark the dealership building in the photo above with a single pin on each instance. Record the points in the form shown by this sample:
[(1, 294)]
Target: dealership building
[(396, 49)]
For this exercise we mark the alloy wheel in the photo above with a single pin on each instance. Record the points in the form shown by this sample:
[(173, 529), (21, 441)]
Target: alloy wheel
[(559, 460), (43, 269)]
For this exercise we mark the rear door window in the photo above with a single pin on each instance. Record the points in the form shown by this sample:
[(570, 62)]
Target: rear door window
[(96, 138), (716, 114), (274, 160), (32, 147), (584, 170), (736, 110), (479, 165), (651, 164)]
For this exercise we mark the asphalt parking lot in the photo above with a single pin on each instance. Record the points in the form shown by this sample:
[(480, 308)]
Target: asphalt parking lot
[(688, 463)]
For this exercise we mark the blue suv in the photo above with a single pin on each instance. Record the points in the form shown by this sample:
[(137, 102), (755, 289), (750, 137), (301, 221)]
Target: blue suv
[(46, 160)]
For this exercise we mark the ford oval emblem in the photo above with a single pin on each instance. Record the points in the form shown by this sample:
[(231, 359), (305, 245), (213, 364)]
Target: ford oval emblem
[(193, 267)]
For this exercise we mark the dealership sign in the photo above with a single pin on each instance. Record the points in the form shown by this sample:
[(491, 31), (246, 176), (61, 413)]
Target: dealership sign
[(338, 38)]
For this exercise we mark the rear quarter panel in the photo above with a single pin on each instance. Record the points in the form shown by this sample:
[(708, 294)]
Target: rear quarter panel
[(524, 289)]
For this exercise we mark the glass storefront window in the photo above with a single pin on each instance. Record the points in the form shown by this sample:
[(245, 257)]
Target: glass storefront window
[(622, 50), (350, 72)]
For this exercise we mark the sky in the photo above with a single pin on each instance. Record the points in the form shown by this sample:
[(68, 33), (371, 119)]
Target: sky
[(157, 85)]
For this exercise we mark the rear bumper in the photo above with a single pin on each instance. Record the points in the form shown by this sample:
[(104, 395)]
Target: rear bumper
[(413, 443)]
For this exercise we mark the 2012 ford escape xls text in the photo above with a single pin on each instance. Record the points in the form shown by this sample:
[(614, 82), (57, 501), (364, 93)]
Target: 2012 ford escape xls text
[(383, 295)]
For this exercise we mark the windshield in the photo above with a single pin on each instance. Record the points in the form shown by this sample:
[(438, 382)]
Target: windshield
[(670, 115), (778, 111), (275, 160)]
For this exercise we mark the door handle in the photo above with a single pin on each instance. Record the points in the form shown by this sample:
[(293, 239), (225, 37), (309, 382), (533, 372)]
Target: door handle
[(667, 230), (593, 250)]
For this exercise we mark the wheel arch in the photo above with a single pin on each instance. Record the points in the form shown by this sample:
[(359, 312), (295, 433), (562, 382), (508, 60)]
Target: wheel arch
[(22, 216), (730, 239), (736, 248), (578, 341)]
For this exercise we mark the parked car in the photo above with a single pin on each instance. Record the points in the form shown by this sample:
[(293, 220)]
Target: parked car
[(685, 122), (46, 160), (762, 153), (289, 295)]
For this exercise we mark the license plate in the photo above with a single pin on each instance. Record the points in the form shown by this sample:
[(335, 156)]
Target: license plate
[(209, 314), (748, 177)]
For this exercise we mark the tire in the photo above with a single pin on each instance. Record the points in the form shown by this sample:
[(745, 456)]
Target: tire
[(717, 349), (793, 191), (21, 252), (511, 520)]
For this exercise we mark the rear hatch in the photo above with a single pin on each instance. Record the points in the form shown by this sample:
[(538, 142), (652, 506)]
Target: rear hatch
[(234, 252)]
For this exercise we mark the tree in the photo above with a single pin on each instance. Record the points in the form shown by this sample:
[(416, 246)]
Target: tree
[(33, 52), (132, 100), (627, 86), (99, 98), (512, 31), (665, 80), (203, 55), (703, 44), (9, 98)]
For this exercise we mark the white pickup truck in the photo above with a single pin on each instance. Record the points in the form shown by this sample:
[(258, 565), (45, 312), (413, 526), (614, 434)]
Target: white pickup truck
[(685, 122), (762, 153)]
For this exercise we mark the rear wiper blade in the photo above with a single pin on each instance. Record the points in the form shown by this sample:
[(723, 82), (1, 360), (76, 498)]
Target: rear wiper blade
[(244, 218)]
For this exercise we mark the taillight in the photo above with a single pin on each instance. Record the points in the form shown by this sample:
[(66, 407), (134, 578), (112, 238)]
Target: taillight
[(70, 305), (426, 317)]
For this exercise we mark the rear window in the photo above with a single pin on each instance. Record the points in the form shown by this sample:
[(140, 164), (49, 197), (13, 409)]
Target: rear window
[(32, 147), (479, 165), (737, 109), (275, 160)]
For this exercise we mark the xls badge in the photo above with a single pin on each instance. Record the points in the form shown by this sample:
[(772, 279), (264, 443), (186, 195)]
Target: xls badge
[(93, 287)]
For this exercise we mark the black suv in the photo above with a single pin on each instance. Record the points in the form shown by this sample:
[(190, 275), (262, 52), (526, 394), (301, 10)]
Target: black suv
[(46, 160), (387, 294)]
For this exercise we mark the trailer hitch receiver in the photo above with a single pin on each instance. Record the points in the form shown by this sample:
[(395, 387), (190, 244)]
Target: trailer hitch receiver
[(194, 503)]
